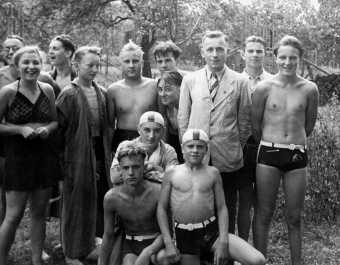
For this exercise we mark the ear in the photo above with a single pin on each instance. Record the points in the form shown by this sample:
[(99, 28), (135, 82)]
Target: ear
[(68, 54)]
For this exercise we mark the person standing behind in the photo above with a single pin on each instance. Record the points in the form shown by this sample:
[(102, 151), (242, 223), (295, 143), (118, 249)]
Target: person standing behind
[(284, 112), (216, 100), (29, 113), (254, 53), (60, 55), (83, 118), (130, 97), (168, 91), (166, 54)]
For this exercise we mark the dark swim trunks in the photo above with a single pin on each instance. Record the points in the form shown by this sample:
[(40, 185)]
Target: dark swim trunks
[(198, 241), (282, 158), (134, 246), (123, 135)]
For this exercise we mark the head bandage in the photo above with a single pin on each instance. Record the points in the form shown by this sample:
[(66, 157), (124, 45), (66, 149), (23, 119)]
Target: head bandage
[(195, 134), (151, 116)]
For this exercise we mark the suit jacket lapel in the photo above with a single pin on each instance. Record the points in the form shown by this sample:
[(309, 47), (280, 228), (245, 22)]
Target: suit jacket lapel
[(226, 88)]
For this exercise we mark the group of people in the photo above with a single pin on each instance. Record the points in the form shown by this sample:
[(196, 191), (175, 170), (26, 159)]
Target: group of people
[(150, 170)]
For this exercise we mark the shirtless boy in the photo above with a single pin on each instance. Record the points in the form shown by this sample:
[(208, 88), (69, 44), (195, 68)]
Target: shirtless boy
[(130, 97), (194, 194), (135, 202), (284, 111)]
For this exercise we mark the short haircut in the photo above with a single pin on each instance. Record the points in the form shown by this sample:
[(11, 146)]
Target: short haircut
[(163, 48), (292, 41), (131, 149), (16, 37), (132, 47), (254, 38), (26, 49), (67, 43), (172, 77), (81, 51), (212, 34)]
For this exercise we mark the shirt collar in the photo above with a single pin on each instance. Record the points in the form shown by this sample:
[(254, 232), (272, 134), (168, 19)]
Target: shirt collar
[(219, 74), (257, 78)]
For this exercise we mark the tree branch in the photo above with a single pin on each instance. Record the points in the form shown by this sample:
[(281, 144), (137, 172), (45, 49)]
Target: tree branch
[(191, 32)]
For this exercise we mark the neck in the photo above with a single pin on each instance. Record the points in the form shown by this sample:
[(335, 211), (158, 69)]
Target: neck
[(84, 82), (64, 69), (136, 190), (13, 71), (28, 84), (254, 71), (288, 79), (215, 70), (133, 81), (193, 167)]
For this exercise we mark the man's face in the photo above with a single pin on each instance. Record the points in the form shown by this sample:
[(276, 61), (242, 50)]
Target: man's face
[(10, 47), (254, 54), (151, 134), (131, 64), (132, 169), (287, 60), (194, 151), (88, 66), (57, 53), (166, 62), (214, 51)]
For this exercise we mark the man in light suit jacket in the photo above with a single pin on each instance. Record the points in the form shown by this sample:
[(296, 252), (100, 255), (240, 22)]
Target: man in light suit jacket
[(216, 100)]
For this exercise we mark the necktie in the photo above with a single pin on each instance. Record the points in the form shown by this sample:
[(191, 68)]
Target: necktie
[(213, 86)]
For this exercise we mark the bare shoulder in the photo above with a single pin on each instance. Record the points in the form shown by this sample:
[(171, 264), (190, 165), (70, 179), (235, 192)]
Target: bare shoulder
[(112, 196), (308, 85), (9, 90), (47, 88), (171, 171), (154, 187), (213, 172), (265, 86), (116, 86), (147, 80)]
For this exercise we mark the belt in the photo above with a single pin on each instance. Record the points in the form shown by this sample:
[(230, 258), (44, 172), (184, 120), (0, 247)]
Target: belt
[(141, 238), (300, 147), (191, 227)]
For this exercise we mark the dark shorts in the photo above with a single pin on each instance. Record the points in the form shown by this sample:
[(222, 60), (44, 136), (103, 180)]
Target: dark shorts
[(123, 135), (282, 158), (197, 242), (134, 246)]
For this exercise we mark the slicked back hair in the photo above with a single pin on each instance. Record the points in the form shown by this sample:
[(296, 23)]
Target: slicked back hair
[(130, 150), (163, 48), (211, 34), (292, 41)]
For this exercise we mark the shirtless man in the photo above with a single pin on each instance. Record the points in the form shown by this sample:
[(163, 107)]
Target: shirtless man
[(284, 111), (194, 193), (135, 203), (166, 54), (129, 98), (60, 54)]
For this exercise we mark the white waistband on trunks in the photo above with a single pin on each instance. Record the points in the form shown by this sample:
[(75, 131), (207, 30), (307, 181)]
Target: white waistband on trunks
[(191, 227), (141, 238), (300, 147)]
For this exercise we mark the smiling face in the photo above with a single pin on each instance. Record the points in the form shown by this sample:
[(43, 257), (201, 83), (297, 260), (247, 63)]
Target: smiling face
[(287, 60), (214, 51), (10, 46), (88, 66), (132, 169), (194, 151), (254, 54), (57, 53), (29, 66), (168, 93), (131, 64)]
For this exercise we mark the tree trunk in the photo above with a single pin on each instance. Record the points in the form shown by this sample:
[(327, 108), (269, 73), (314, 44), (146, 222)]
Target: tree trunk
[(146, 46)]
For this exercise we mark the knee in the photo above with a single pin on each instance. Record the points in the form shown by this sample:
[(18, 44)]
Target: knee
[(293, 220), (258, 260)]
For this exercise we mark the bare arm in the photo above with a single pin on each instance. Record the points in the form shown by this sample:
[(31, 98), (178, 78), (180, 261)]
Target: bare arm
[(111, 107), (108, 237), (311, 110), (184, 107), (259, 98)]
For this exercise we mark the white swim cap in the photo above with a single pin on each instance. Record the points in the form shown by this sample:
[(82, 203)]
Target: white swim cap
[(195, 134), (151, 116)]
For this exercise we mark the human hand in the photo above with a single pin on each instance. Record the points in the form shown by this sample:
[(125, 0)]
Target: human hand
[(221, 253), (150, 166), (43, 132), (27, 132), (172, 254)]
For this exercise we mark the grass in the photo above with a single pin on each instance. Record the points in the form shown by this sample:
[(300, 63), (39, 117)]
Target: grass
[(321, 244)]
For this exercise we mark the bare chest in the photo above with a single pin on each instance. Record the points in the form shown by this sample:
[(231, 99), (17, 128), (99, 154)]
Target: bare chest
[(200, 183)]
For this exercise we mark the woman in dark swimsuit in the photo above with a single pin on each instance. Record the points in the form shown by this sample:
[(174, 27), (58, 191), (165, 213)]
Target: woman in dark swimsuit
[(28, 108), (168, 92)]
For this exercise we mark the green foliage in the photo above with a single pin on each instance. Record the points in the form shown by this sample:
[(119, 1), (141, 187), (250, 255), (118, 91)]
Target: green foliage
[(328, 86)]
